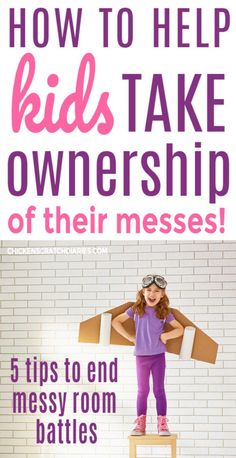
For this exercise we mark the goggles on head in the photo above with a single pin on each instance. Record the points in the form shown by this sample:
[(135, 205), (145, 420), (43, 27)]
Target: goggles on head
[(157, 279)]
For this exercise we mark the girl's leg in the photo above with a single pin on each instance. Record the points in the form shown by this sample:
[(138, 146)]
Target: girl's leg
[(158, 374), (143, 367)]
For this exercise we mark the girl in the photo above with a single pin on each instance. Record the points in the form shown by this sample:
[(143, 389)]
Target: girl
[(150, 312)]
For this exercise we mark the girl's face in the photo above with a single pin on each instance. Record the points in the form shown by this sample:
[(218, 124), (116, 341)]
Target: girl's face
[(152, 295)]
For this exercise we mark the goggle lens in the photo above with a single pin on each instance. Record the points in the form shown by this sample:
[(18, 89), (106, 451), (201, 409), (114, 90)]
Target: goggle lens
[(157, 279)]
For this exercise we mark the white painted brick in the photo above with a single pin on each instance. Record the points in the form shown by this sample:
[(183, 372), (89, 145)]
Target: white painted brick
[(27, 281), (230, 302), (227, 246), (194, 419), (194, 403), (7, 266), (222, 293), (230, 270), (224, 278), (14, 274), (137, 264), (42, 243), (222, 452), (144, 254), (89, 264), (209, 443), (53, 293), (164, 247), (117, 249), (196, 279), (27, 266), (223, 325), (181, 256), (41, 288), (229, 285), (6, 297), (230, 254), (13, 289), (14, 334), (207, 255), (5, 450), (180, 271), (13, 258), (51, 265), (6, 281), (197, 372), (156, 266), (194, 388), (194, 294), (229, 427), (43, 273), (14, 304), (125, 272), (131, 246), (194, 246), (209, 317), (124, 257)]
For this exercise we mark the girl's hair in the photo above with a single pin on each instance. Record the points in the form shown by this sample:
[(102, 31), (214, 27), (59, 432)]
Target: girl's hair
[(162, 308)]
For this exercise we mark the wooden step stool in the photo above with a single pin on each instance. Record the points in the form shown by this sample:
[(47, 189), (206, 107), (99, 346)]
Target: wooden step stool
[(152, 439)]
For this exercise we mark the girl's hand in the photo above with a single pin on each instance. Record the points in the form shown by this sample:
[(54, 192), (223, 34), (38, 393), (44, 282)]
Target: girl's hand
[(163, 338), (132, 339)]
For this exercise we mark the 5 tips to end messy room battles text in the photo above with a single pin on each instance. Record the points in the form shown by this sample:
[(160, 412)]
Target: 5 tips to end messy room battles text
[(51, 405)]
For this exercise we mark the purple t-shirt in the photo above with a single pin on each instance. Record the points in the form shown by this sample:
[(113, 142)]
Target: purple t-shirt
[(148, 329)]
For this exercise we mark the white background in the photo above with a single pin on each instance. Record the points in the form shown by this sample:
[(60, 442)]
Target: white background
[(44, 297), (111, 63)]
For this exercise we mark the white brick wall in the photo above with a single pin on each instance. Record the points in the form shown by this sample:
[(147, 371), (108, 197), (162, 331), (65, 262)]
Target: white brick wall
[(45, 296)]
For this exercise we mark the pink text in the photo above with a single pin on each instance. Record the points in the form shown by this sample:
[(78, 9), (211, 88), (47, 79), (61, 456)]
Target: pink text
[(26, 105)]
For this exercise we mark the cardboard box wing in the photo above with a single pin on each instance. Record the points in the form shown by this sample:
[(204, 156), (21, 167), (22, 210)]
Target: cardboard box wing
[(204, 347)]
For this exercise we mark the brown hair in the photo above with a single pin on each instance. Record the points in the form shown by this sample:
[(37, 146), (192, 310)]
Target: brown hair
[(162, 308)]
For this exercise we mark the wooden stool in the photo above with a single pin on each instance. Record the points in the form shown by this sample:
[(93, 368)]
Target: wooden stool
[(152, 439)]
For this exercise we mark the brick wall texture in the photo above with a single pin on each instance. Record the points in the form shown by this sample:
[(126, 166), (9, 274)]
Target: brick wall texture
[(47, 288)]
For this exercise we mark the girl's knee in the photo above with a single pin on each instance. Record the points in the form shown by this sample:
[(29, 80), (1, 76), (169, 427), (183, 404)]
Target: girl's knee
[(159, 392), (144, 392)]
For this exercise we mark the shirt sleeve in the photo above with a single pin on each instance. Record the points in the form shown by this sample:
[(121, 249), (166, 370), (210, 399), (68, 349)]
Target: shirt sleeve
[(130, 312), (170, 317)]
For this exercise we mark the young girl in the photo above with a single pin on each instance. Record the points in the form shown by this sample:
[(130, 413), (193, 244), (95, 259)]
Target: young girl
[(150, 312)]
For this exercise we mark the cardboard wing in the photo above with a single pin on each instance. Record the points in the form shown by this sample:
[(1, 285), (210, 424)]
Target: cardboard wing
[(204, 347)]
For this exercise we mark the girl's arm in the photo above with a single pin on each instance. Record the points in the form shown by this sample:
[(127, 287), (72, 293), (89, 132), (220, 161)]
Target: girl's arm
[(117, 325), (176, 332)]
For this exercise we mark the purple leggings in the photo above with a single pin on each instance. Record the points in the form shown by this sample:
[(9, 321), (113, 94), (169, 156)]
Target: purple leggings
[(155, 364)]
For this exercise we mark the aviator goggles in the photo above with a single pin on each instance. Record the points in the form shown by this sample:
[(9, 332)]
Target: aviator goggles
[(157, 279)]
